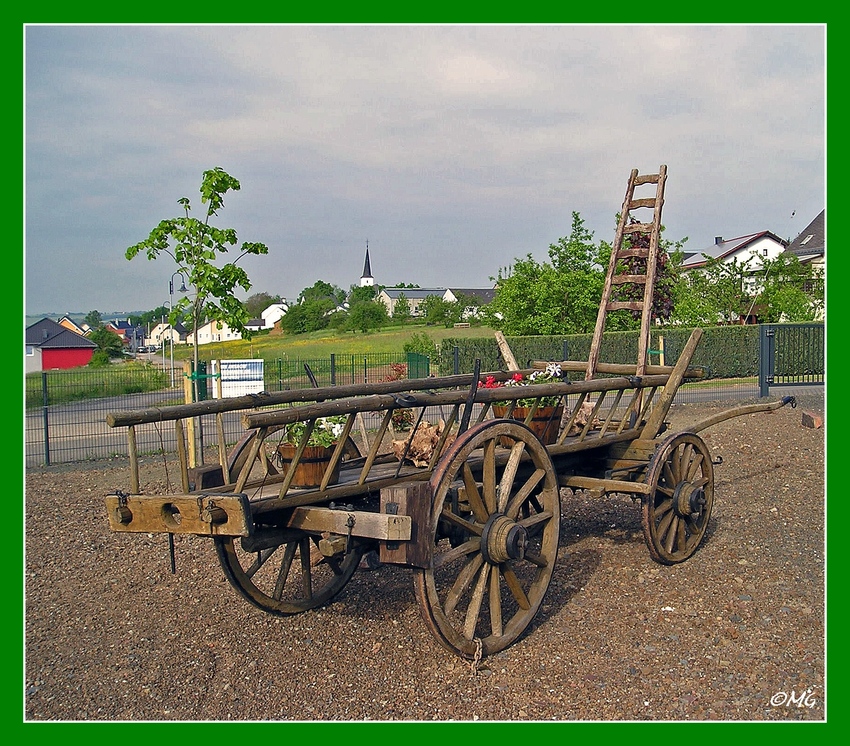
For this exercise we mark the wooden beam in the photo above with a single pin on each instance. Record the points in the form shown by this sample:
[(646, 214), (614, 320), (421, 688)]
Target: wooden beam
[(370, 525)]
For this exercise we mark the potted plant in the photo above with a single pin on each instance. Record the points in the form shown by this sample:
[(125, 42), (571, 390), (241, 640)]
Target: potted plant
[(310, 468), (547, 419)]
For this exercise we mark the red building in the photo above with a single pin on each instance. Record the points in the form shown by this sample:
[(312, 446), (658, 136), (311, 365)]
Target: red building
[(50, 345)]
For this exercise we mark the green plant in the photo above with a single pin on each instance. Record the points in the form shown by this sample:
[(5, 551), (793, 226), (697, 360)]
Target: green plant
[(194, 244), (325, 433), (552, 374)]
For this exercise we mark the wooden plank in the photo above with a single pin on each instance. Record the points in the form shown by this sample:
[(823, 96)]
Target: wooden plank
[(202, 515), (619, 305), (625, 279), (605, 485), (134, 459), (254, 401), (644, 202), (366, 525)]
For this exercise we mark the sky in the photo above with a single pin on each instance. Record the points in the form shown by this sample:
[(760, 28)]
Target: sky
[(452, 150)]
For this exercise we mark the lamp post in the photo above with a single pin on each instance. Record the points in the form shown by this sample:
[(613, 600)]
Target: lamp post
[(182, 289)]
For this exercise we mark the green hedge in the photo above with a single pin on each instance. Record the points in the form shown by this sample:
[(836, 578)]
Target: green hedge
[(726, 351)]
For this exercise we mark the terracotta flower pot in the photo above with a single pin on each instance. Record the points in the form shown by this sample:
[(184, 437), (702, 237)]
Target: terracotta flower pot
[(311, 467), (545, 423)]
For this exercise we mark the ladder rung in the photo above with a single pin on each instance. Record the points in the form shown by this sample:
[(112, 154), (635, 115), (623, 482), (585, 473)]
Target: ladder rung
[(638, 228), (647, 179), (635, 251), (646, 202), (619, 305), (623, 279)]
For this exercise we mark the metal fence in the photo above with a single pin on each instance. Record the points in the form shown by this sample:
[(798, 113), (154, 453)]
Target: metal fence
[(65, 418)]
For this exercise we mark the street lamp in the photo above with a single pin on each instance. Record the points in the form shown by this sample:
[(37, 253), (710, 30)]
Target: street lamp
[(182, 289)]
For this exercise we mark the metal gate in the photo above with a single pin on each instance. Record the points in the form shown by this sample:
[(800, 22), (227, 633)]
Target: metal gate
[(791, 355), (418, 365)]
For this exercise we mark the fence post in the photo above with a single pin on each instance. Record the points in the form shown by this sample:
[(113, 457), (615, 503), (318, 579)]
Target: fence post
[(188, 397), (565, 350), (456, 359), (365, 371), (766, 349), (44, 417), (333, 369)]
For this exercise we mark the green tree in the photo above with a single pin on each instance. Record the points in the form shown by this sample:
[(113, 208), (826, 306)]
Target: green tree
[(94, 319), (437, 310), (361, 292), (108, 342), (259, 302), (367, 316), (401, 309), (560, 296), (194, 244), (790, 290), (423, 344), (321, 290)]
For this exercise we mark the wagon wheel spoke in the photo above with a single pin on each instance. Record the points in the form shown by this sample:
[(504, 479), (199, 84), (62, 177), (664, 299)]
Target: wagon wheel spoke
[(283, 573), (496, 627), (473, 495), (490, 484), (676, 511), (275, 582), (463, 581), (493, 559), (523, 496), (474, 608)]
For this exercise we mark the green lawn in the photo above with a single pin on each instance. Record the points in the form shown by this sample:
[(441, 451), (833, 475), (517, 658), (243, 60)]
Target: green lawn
[(322, 344)]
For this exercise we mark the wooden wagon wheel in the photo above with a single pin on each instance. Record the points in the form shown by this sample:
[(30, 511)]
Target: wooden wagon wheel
[(289, 577), (496, 523), (676, 512)]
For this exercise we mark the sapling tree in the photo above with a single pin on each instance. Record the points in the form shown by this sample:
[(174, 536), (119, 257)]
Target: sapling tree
[(194, 244)]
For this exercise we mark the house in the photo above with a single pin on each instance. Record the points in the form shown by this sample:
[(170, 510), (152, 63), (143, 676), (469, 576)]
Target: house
[(480, 297), (48, 345), (415, 298), (274, 313), (132, 336), (751, 250), (165, 333), (69, 323), (810, 246), (213, 331)]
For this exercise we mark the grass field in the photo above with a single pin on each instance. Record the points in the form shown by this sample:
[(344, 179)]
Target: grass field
[(323, 344)]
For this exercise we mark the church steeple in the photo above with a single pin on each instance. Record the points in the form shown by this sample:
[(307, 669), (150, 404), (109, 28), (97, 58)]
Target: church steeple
[(366, 279)]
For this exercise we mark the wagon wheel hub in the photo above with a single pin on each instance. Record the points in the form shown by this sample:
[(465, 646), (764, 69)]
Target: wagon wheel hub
[(503, 539), (688, 499)]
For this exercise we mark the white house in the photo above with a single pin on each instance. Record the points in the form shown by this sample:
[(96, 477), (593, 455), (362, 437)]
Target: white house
[(274, 313), (751, 250), (166, 333), (214, 331)]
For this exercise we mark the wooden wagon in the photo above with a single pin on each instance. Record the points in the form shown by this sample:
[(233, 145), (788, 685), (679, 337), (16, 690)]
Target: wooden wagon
[(476, 516)]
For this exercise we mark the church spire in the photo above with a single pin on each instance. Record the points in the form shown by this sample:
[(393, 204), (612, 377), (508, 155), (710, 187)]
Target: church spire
[(366, 278)]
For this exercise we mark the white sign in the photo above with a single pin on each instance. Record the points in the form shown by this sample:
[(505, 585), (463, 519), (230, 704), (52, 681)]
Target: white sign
[(238, 377)]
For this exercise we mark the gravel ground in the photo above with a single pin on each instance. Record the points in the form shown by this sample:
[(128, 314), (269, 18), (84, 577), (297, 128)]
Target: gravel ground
[(736, 633)]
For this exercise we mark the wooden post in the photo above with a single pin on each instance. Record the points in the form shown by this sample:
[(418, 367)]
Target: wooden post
[(505, 349), (661, 350), (190, 422)]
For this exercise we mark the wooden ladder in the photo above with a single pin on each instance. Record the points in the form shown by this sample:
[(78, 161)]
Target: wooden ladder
[(635, 248)]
